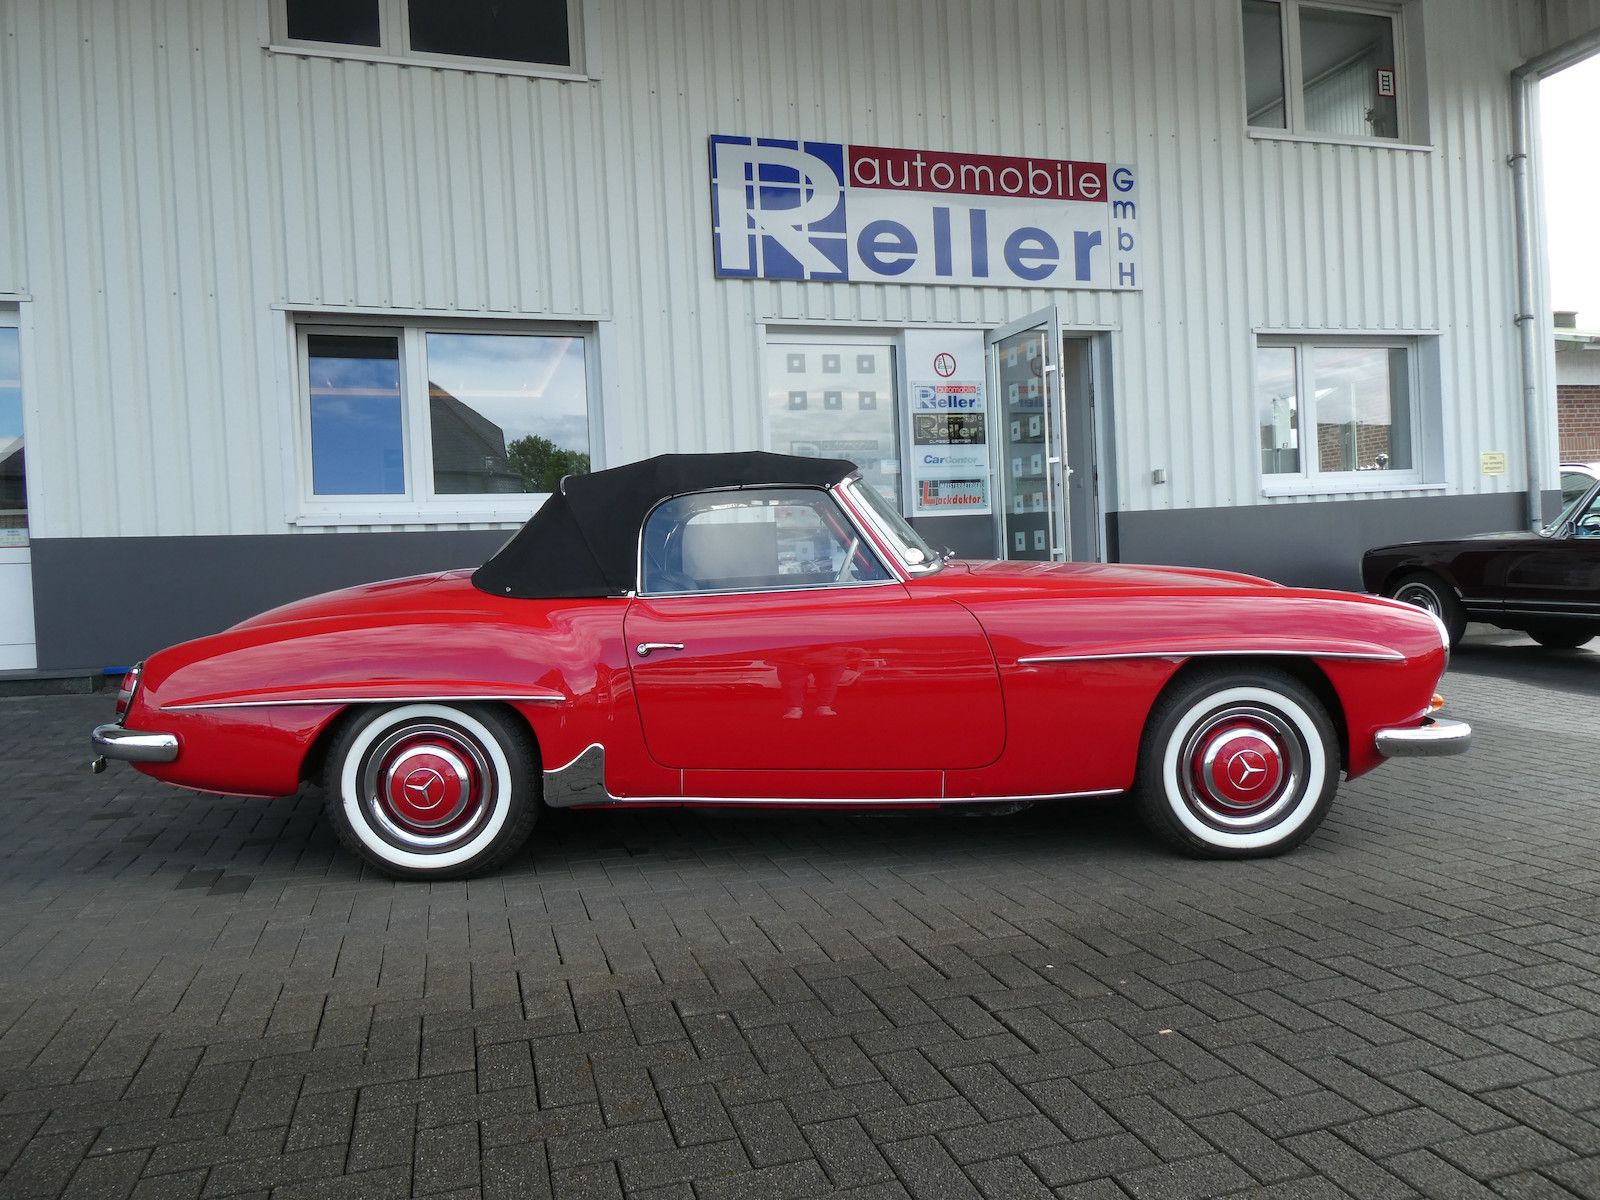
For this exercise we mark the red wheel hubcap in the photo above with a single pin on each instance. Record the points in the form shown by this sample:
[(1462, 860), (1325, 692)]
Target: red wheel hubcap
[(427, 785), (1238, 767)]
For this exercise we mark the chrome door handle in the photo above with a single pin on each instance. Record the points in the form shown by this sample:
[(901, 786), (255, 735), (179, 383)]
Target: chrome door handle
[(643, 649)]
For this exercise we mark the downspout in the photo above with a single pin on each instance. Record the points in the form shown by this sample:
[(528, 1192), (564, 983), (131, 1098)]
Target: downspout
[(1529, 320)]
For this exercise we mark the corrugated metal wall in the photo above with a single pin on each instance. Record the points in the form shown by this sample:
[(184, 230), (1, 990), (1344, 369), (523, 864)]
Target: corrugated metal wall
[(171, 188)]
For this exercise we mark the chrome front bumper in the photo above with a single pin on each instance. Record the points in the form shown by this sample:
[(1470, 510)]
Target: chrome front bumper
[(1433, 738), (130, 745)]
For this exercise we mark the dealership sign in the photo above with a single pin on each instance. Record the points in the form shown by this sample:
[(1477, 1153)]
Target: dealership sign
[(829, 211)]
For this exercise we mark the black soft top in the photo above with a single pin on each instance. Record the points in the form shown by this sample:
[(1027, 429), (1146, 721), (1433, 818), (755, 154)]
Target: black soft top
[(584, 540)]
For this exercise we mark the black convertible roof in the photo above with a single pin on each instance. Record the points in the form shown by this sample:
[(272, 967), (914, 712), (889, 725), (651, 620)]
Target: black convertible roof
[(584, 541)]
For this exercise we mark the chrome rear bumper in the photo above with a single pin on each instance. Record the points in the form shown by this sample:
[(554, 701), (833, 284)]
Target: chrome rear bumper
[(1433, 738), (130, 745)]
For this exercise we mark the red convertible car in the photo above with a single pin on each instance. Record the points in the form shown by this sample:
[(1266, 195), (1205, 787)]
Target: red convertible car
[(757, 629)]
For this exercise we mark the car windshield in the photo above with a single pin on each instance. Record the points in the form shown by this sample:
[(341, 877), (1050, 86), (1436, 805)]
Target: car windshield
[(1568, 511), (907, 542)]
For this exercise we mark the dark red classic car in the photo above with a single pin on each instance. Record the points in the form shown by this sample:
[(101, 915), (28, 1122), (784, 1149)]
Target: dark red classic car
[(759, 629), (1544, 584)]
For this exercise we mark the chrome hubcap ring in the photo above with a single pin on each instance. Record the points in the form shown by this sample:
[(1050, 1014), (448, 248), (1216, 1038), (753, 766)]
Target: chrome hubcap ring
[(1421, 595), (1242, 768), (426, 786)]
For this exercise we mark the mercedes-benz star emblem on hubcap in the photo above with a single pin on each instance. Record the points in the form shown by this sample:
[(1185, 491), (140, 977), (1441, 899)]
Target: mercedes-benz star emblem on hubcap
[(1248, 770), (425, 786)]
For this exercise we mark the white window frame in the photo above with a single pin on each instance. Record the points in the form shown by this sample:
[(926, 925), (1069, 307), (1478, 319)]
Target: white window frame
[(420, 504), (1310, 477), (1294, 97), (11, 318), (394, 45)]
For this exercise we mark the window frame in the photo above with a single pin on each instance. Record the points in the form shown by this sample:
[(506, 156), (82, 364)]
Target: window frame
[(1310, 478), (868, 546), (420, 504), (1294, 98), (394, 45)]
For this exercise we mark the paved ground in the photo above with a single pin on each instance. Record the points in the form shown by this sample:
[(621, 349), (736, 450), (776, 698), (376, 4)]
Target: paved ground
[(201, 996)]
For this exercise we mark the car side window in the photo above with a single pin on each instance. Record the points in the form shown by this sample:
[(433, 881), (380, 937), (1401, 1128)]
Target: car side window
[(753, 540)]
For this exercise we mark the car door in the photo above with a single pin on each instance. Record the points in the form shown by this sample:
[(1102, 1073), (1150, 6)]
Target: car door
[(1551, 575), (773, 653)]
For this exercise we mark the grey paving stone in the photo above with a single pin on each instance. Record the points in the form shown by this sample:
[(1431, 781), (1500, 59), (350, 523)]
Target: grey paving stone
[(805, 1004)]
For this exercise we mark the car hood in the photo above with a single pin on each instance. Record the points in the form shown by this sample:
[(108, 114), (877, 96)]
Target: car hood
[(1510, 535), (1092, 577), (413, 593)]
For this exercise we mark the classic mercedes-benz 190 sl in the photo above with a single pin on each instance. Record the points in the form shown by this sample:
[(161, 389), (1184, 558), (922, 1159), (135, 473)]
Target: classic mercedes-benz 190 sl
[(756, 629)]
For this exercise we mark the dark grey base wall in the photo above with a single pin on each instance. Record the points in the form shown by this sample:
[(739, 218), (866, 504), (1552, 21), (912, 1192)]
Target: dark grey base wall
[(1317, 544), (102, 602)]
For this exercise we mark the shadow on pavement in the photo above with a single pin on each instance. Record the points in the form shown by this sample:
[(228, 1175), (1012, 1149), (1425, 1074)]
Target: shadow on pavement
[(1500, 655)]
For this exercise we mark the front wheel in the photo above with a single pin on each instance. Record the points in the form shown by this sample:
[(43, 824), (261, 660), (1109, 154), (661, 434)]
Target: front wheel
[(432, 791), (1237, 765)]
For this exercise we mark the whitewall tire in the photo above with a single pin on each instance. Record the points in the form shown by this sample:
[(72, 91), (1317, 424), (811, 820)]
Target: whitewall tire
[(1237, 764), (432, 791)]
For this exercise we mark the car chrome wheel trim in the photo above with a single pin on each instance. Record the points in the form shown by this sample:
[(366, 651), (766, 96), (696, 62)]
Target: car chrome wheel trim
[(425, 786), (1223, 726), (1422, 595), (412, 733), (1245, 764)]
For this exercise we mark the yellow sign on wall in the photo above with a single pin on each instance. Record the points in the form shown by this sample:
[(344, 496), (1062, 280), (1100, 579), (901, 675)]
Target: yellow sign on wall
[(1494, 462)]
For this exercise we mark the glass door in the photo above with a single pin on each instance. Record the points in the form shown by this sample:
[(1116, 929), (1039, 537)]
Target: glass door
[(1024, 364), (16, 573)]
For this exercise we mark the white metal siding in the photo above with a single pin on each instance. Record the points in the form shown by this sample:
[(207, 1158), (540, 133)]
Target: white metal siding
[(181, 187)]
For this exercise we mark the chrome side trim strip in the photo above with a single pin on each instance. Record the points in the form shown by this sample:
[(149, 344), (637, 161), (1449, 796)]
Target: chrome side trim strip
[(541, 699), (582, 781), (1180, 655)]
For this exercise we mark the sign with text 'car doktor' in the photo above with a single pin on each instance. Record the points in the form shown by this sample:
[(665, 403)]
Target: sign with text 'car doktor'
[(829, 211)]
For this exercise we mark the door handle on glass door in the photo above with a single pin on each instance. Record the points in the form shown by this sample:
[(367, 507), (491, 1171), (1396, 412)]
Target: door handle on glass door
[(643, 649)]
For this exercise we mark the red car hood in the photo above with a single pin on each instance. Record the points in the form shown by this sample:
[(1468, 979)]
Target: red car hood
[(411, 594), (1090, 577)]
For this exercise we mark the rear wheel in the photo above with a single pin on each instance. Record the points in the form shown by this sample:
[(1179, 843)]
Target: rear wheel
[(1237, 765), (1427, 590), (432, 791), (1561, 637)]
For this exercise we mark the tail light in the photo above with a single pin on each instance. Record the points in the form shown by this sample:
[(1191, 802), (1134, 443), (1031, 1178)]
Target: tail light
[(130, 685)]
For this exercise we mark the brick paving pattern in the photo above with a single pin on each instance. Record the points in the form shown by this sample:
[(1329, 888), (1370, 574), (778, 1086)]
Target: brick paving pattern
[(205, 997)]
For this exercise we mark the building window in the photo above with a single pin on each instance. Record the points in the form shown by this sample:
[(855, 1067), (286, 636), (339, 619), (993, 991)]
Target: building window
[(835, 399), (1328, 70), (13, 471), (539, 33), (1335, 410), (419, 421)]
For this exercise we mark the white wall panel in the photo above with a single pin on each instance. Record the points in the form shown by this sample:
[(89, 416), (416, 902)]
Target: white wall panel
[(172, 188)]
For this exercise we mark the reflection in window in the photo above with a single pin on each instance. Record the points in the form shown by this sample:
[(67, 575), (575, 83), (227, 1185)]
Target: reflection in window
[(343, 22), (1278, 410), (770, 539), (13, 472), (507, 412), (530, 31), (1363, 408), (1347, 63), (357, 443), (1263, 64), (1337, 76), (807, 412)]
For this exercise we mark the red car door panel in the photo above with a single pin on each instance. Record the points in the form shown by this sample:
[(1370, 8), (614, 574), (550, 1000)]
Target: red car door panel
[(831, 679)]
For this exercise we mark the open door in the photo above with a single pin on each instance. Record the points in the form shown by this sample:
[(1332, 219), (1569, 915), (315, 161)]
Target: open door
[(1024, 363)]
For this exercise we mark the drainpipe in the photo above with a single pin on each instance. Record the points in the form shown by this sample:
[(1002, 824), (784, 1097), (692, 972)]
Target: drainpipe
[(1529, 319)]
